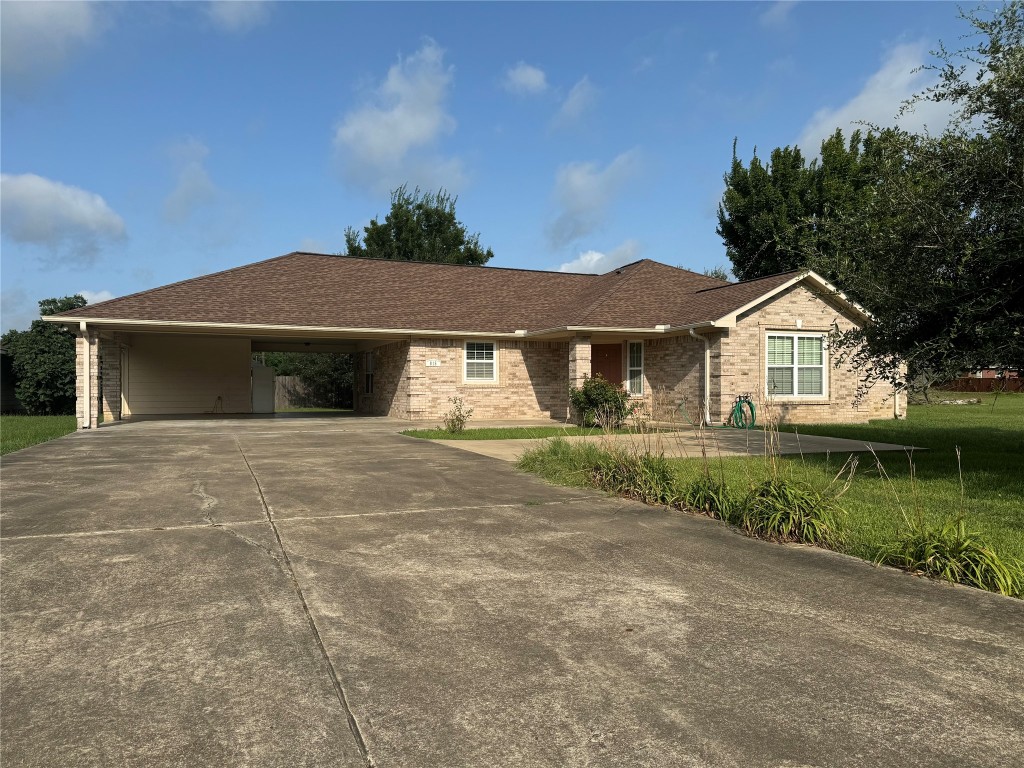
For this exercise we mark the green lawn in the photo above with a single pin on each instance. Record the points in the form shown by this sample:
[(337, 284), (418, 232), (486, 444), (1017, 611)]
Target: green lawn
[(508, 433), (991, 441), (17, 432)]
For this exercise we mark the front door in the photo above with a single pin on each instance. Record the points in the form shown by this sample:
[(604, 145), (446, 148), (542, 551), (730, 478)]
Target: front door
[(606, 359)]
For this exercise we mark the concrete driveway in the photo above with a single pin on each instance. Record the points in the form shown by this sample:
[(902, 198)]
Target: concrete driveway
[(329, 593)]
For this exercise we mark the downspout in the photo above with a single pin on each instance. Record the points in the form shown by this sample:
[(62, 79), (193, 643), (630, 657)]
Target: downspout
[(707, 376), (87, 373)]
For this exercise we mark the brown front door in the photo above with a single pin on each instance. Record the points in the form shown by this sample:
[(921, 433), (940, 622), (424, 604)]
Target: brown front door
[(606, 359)]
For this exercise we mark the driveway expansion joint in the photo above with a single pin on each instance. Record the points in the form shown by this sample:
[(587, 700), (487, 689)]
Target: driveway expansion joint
[(335, 680)]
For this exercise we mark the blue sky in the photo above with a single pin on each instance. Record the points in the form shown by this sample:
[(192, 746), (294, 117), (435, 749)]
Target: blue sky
[(144, 143)]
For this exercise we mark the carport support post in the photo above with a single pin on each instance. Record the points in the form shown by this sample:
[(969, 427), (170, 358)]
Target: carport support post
[(87, 378)]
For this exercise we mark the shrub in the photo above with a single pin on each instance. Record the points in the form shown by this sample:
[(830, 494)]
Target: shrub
[(560, 461), (644, 476), (710, 496), (599, 402), (950, 552), (455, 419), (783, 510)]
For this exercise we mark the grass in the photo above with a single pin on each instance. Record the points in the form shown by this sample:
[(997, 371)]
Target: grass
[(508, 433), (17, 432), (991, 441), (915, 491)]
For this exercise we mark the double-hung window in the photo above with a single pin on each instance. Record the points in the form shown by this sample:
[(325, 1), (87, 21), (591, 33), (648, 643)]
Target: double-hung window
[(480, 363), (796, 365), (635, 368)]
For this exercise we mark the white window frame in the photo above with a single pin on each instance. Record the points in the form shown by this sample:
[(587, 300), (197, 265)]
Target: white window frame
[(795, 365), (465, 362), (368, 373), (630, 368)]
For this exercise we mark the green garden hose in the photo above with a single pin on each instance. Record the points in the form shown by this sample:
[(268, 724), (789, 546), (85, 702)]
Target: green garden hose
[(742, 416), (744, 413)]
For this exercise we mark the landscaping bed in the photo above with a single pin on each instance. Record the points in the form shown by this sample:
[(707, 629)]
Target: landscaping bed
[(872, 508)]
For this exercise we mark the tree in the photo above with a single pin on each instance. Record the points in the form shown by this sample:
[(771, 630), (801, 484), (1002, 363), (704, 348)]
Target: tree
[(43, 361), (927, 232), (935, 247), (769, 213), (718, 272), (421, 226)]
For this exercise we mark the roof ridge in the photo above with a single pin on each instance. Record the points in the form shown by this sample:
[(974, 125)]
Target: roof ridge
[(441, 263), (592, 307)]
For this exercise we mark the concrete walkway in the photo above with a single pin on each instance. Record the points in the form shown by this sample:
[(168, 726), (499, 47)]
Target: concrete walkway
[(328, 593), (725, 442)]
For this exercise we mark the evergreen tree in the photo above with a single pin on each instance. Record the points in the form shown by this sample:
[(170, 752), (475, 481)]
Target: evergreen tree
[(421, 226)]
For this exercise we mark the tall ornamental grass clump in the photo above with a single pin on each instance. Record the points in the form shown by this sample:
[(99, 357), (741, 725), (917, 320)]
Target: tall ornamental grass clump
[(947, 549)]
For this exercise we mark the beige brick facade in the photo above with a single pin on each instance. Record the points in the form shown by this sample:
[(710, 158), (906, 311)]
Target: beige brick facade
[(739, 364), (415, 380), (673, 377)]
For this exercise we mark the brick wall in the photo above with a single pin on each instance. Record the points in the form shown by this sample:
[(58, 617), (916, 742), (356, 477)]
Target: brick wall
[(673, 377), (110, 376), (532, 380), (739, 364), (390, 395)]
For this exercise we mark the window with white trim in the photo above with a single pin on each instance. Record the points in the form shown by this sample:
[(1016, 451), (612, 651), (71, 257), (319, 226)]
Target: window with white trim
[(796, 365), (368, 373), (480, 362), (635, 368)]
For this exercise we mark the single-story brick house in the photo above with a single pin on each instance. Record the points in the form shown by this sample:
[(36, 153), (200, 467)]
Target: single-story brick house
[(510, 342)]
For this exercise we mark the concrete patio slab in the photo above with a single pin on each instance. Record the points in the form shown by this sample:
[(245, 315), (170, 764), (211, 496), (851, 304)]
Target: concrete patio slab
[(343, 595), (731, 442)]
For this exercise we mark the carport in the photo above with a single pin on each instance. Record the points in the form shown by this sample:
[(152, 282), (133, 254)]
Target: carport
[(135, 369)]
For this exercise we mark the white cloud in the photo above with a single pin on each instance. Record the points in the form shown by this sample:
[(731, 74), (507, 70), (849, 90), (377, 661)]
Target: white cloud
[(37, 38), (392, 140), (580, 100), (95, 297), (778, 14), (194, 188), (583, 192), (525, 79), (596, 262), (880, 99), (238, 16), (644, 64), (69, 221)]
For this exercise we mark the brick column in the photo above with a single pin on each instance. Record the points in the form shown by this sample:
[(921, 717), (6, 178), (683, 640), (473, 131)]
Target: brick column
[(88, 413), (110, 375), (579, 360)]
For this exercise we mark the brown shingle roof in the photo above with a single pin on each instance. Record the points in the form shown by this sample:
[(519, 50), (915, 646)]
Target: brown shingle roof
[(313, 290)]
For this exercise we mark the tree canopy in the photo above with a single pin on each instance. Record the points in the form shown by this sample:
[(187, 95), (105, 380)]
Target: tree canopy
[(926, 231), (421, 226), (769, 214), (43, 361)]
